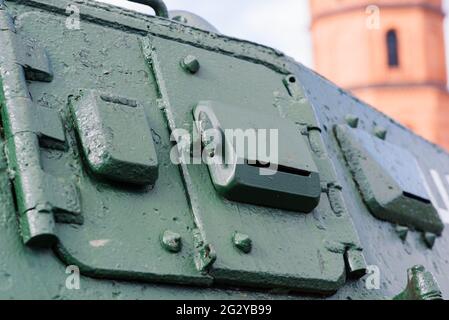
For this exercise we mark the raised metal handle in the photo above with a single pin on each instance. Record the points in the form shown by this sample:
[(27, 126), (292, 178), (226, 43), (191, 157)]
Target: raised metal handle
[(158, 6)]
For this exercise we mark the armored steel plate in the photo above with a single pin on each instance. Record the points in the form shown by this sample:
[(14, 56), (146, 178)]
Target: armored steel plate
[(244, 244), (45, 163), (123, 224)]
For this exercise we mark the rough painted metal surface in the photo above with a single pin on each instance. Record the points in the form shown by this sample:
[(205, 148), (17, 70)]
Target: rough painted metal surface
[(390, 180), (181, 231), (279, 257), (115, 137)]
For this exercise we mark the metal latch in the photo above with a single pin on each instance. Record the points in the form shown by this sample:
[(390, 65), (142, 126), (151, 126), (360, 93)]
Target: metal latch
[(257, 159)]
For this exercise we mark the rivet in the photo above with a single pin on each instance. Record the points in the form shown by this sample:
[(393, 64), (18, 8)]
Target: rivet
[(380, 132), (429, 239), (171, 241), (352, 120), (402, 232), (190, 64), (242, 242)]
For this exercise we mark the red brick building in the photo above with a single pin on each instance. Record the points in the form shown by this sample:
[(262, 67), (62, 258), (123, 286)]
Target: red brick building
[(389, 53)]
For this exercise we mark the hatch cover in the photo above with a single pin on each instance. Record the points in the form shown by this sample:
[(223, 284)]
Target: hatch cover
[(258, 159), (252, 244)]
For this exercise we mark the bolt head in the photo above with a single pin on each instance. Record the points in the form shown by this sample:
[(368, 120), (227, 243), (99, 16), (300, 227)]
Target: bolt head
[(429, 239), (352, 121), (190, 64), (402, 232), (171, 241), (380, 132), (242, 242)]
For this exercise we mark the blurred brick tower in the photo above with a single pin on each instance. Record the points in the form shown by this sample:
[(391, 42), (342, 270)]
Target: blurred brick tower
[(391, 54)]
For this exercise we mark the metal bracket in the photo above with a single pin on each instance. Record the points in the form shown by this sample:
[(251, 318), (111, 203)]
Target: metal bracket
[(34, 60)]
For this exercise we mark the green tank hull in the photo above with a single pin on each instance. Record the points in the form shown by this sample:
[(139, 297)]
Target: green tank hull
[(101, 109)]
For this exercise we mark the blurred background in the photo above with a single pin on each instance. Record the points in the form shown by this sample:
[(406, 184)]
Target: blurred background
[(390, 53)]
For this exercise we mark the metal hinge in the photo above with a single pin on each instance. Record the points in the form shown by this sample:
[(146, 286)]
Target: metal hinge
[(42, 198)]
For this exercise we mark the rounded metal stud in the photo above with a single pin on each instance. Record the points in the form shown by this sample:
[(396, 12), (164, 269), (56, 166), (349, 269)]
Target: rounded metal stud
[(190, 64), (380, 132), (171, 241), (352, 120), (402, 232), (242, 242), (429, 239)]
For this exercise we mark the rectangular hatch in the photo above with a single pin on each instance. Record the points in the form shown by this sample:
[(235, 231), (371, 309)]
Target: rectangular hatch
[(258, 159)]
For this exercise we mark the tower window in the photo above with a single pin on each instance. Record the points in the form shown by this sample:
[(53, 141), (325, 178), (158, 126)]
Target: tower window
[(392, 47)]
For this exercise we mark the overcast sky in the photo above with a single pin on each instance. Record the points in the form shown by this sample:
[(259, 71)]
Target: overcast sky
[(282, 24)]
